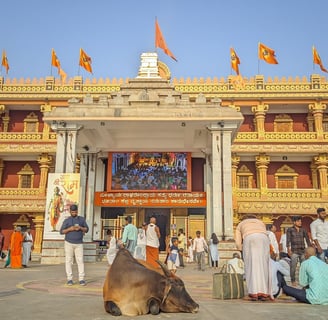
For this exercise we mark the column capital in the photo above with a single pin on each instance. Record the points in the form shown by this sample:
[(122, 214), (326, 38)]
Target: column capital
[(262, 160), (317, 107), (321, 160), (260, 108)]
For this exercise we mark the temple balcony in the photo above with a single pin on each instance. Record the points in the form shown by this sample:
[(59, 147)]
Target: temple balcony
[(22, 200), (278, 201)]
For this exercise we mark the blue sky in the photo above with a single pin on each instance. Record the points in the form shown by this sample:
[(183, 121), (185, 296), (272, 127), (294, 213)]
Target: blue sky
[(199, 33)]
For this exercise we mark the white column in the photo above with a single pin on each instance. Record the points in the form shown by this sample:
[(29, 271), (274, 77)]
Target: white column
[(227, 185), (217, 225), (87, 188), (66, 146)]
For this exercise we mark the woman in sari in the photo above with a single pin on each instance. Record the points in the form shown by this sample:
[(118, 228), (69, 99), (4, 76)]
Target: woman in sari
[(16, 241)]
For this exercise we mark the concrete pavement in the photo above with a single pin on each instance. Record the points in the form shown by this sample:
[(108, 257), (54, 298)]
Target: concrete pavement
[(40, 292)]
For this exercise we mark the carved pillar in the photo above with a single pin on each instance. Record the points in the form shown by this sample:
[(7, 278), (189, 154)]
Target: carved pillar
[(318, 109), (260, 111), (234, 166), (39, 224), (44, 161), (262, 162), (46, 128), (66, 146), (314, 175), (5, 121), (2, 166), (322, 165)]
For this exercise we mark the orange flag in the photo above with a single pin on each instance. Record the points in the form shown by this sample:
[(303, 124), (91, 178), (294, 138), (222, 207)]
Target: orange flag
[(4, 61), (235, 62), (85, 61), (267, 54), (62, 75), (160, 42), (317, 59), (54, 60)]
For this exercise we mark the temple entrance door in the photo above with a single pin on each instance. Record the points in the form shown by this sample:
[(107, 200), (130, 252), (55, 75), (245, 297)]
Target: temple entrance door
[(162, 221)]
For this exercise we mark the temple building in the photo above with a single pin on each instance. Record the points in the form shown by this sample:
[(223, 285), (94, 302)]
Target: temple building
[(197, 154)]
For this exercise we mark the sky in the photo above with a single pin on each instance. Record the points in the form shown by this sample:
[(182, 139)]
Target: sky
[(199, 34)]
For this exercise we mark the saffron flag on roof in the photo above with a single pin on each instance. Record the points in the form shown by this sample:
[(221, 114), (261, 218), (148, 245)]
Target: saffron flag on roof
[(85, 61), (4, 61), (54, 60), (317, 59), (267, 54), (62, 75), (235, 62), (160, 42)]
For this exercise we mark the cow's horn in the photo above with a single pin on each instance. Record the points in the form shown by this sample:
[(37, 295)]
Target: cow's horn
[(164, 268)]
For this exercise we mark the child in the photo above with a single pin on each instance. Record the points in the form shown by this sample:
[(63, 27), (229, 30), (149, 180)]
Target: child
[(190, 256), (173, 255)]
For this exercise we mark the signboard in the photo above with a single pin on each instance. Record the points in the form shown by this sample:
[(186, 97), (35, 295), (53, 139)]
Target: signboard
[(150, 199), (63, 190)]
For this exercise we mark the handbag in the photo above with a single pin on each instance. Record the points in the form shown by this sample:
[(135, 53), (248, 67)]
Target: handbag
[(228, 285), (3, 255)]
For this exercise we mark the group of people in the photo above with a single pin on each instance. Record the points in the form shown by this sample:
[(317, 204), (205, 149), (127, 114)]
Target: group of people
[(142, 243), (19, 250), (266, 275)]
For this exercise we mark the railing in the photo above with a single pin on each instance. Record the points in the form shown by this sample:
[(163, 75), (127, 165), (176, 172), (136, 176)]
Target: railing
[(285, 194), (279, 136), (20, 192), (27, 136)]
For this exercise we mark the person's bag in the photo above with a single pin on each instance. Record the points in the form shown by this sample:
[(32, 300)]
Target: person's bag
[(2, 255), (228, 285)]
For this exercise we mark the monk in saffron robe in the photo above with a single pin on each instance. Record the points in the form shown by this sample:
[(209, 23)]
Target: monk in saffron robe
[(16, 241)]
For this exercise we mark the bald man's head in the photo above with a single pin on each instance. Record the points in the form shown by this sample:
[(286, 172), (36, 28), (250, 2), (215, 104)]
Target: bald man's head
[(309, 252)]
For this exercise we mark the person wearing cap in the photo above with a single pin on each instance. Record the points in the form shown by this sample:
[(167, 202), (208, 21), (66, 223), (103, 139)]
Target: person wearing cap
[(296, 238), (130, 235), (74, 228)]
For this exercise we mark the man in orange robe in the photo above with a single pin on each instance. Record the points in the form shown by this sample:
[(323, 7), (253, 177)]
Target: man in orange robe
[(16, 241)]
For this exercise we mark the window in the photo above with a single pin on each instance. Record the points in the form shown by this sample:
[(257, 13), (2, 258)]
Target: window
[(283, 123), (286, 178), (244, 178), (31, 123), (26, 177)]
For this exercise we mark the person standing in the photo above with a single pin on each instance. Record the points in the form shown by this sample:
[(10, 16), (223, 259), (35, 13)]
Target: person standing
[(199, 247), (252, 239), (112, 247), (319, 234), (16, 241), (296, 238), (181, 246), (130, 235), (27, 247), (173, 255), (74, 228), (140, 250), (313, 279), (152, 247), (283, 241), (190, 256), (214, 252), (271, 231)]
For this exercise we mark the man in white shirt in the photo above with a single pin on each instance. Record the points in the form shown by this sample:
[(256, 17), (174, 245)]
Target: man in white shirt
[(319, 234), (237, 263), (271, 230), (199, 247)]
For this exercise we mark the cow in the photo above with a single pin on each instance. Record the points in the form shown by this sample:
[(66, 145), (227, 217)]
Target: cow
[(132, 289)]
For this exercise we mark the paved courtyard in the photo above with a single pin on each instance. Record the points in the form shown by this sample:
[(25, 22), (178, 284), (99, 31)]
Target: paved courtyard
[(40, 292)]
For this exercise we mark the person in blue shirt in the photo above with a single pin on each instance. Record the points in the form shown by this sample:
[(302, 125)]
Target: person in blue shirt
[(130, 235), (173, 255), (74, 228), (313, 277)]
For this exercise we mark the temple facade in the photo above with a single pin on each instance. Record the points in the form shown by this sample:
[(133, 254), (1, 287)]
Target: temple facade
[(197, 154)]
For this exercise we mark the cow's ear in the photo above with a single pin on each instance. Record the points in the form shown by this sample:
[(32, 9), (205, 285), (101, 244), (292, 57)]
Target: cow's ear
[(166, 271)]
